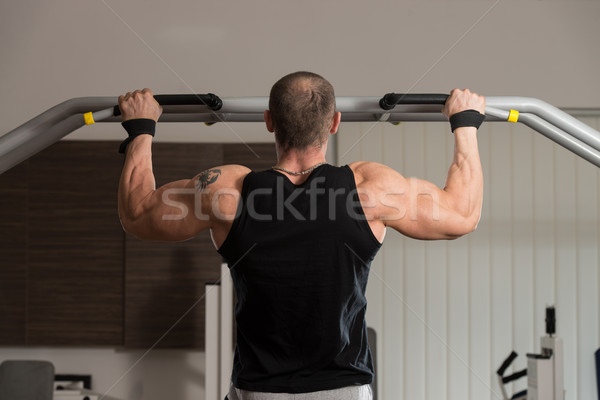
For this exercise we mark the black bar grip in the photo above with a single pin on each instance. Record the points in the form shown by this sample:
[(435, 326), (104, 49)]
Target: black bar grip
[(210, 100), (390, 100), (514, 376), (550, 321), (507, 363)]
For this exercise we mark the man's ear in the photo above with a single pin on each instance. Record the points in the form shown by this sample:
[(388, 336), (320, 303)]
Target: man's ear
[(337, 118), (269, 121)]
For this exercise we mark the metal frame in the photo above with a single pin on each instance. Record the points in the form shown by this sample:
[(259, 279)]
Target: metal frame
[(64, 118), (219, 336)]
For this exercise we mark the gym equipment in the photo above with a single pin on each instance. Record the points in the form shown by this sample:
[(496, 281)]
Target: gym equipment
[(372, 338), (544, 371), (26, 380), (219, 335), (64, 118), (503, 380), (545, 379)]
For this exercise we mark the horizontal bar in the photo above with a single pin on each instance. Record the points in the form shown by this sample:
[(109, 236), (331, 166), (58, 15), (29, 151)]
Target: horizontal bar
[(344, 104), (496, 112), (346, 117), (62, 119), (390, 100), (210, 100)]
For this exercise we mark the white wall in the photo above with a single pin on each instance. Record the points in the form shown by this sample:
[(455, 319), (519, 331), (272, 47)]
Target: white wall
[(55, 50), (449, 313)]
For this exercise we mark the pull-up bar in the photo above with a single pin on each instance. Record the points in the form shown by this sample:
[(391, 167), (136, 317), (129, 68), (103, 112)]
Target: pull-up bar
[(64, 118)]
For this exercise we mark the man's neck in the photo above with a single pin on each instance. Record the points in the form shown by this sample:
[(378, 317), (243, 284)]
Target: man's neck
[(297, 161)]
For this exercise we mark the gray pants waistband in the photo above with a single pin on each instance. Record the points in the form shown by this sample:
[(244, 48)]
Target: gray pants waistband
[(363, 392)]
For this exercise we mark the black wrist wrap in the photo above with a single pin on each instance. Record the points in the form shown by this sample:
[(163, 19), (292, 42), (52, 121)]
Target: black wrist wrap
[(466, 118), (135, 128)]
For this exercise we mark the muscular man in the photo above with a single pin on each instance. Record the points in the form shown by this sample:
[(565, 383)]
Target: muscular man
[(299, 238)]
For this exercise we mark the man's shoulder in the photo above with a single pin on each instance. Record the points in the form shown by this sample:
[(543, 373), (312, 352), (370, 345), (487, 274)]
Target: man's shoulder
[(222, 177), (235, 169), (368, 169), (234, 174), (374, 175)]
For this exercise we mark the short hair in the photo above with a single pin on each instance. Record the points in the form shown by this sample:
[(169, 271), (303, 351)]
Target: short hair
[(302, 105)]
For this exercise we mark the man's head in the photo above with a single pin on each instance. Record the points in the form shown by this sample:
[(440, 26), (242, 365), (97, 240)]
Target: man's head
[(302, 109)]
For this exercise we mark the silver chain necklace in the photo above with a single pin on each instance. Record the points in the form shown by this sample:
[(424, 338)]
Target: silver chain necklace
[(306, 171)]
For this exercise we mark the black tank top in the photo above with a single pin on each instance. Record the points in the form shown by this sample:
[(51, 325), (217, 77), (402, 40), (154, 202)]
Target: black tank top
[(299, 256)]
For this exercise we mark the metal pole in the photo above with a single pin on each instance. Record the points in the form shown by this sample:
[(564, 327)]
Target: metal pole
[(15, 148), (551, 114), (57, 122), (564, 139)]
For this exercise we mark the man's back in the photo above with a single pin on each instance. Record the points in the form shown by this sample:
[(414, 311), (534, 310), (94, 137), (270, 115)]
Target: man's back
[(299, 256)]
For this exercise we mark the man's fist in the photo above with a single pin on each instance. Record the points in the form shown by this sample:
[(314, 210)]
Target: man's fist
[(139, 104), (461, 100)]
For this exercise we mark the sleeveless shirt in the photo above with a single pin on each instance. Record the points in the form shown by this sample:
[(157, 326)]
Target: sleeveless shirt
[(299, 257)]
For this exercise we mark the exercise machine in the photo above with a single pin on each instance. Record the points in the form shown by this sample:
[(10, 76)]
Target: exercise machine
[(64, 118), (544, 371)]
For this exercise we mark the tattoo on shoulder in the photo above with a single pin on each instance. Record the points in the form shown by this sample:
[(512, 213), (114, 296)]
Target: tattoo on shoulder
[(207, 177)]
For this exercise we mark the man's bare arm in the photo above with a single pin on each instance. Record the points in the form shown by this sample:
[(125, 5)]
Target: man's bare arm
[(420, 209), (178, 210), (167, 213), (465, 177)]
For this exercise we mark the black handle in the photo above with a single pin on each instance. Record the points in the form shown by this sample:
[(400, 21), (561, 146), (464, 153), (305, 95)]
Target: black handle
[(211, 100), (550, 321), (514, 376), (390, 100), (506, 363)]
